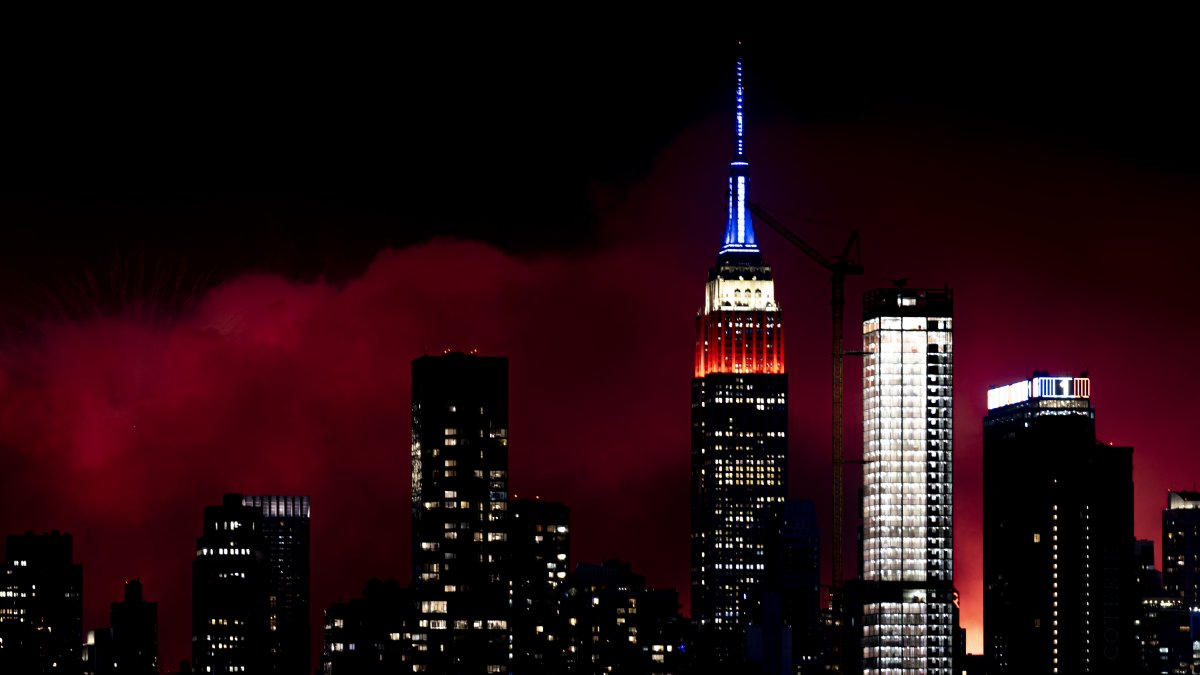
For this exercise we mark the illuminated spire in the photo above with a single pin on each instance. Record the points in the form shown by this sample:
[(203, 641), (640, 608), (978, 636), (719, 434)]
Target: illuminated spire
[(739, 232)]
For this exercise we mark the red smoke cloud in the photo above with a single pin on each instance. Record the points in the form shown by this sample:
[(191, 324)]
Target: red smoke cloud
[(120, 430)]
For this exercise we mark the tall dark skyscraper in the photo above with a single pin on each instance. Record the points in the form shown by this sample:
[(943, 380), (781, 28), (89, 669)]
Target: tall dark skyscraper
[(460, 513), (285, 527), (908, 619), (230, 581), (135, 632), (739, 427), (41, 605), (1058, 544)]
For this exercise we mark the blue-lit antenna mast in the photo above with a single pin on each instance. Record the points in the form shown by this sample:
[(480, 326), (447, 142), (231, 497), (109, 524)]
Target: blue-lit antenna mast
[(739, 232)]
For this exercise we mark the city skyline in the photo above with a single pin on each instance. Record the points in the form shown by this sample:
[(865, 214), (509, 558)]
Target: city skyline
[(1046, 235)]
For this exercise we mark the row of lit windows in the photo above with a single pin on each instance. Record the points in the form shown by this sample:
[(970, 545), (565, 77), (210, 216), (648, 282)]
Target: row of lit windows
[(222, 551)]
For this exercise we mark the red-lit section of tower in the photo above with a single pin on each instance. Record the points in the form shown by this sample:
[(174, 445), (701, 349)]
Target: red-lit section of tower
[(732, 341)]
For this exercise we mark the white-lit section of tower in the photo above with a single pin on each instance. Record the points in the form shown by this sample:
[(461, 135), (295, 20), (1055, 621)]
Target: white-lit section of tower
[(908, 541), (739, 430)]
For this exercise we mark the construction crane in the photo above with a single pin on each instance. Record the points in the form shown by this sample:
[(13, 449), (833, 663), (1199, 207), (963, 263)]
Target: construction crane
[(848, 262)]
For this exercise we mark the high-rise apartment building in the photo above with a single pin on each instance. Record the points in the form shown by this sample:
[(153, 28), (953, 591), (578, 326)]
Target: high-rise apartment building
[(539, 542), (230, 582), (41, 605), (908, 507), (1058, 548), (739, 428), (285, 533), (460, 513)]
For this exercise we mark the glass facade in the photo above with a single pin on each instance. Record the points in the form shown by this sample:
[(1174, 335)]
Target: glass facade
[(908, 506)]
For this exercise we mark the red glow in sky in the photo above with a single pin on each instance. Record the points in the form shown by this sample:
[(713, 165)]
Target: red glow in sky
[(120, 431)]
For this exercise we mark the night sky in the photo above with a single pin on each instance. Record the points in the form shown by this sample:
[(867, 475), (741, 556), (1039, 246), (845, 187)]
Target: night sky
[(225, 240)]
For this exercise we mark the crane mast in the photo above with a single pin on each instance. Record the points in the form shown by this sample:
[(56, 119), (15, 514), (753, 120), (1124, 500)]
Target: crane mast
[(848, 262)]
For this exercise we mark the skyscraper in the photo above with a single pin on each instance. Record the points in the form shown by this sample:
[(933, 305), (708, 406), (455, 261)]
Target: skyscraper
[(285, 526), (739, 427), (1058, 543), (540, 547), (135, 632), (230, 577), (41, 605), (1181, 556), (1162, 630), (908, 539), (460, 513), (1181, 546)]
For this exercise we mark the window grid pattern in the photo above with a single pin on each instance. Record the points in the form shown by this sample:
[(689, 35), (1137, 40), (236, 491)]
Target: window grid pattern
[(914, 635), (908, 486)]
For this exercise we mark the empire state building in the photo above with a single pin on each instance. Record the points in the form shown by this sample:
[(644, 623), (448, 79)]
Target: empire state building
[(739, 427)]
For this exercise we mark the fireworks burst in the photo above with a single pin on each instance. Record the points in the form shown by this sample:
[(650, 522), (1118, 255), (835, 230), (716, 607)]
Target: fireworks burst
[(151, 289)]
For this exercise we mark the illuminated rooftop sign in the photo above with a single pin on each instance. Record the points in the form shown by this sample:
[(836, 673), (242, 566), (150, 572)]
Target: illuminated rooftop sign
[(1039, 387)]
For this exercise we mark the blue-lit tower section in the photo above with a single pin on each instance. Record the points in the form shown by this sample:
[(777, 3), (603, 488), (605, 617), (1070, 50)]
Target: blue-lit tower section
[(908, 509), (739, 231), (739, 429)]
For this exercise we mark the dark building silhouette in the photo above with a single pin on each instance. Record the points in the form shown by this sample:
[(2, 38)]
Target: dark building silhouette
[(130, 646), (135, 632), (1164, 632), (908, 596), (285, 532), (98, 653), (230, 588), (1162, 628), (769, 639), (973, 664), (849, 625), (1058, 560), (459, 513), (788, 634), (616, 625), (41, 605), (540, 548), (739, 429), (371, 635), (1147, 580), (798, 570)]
